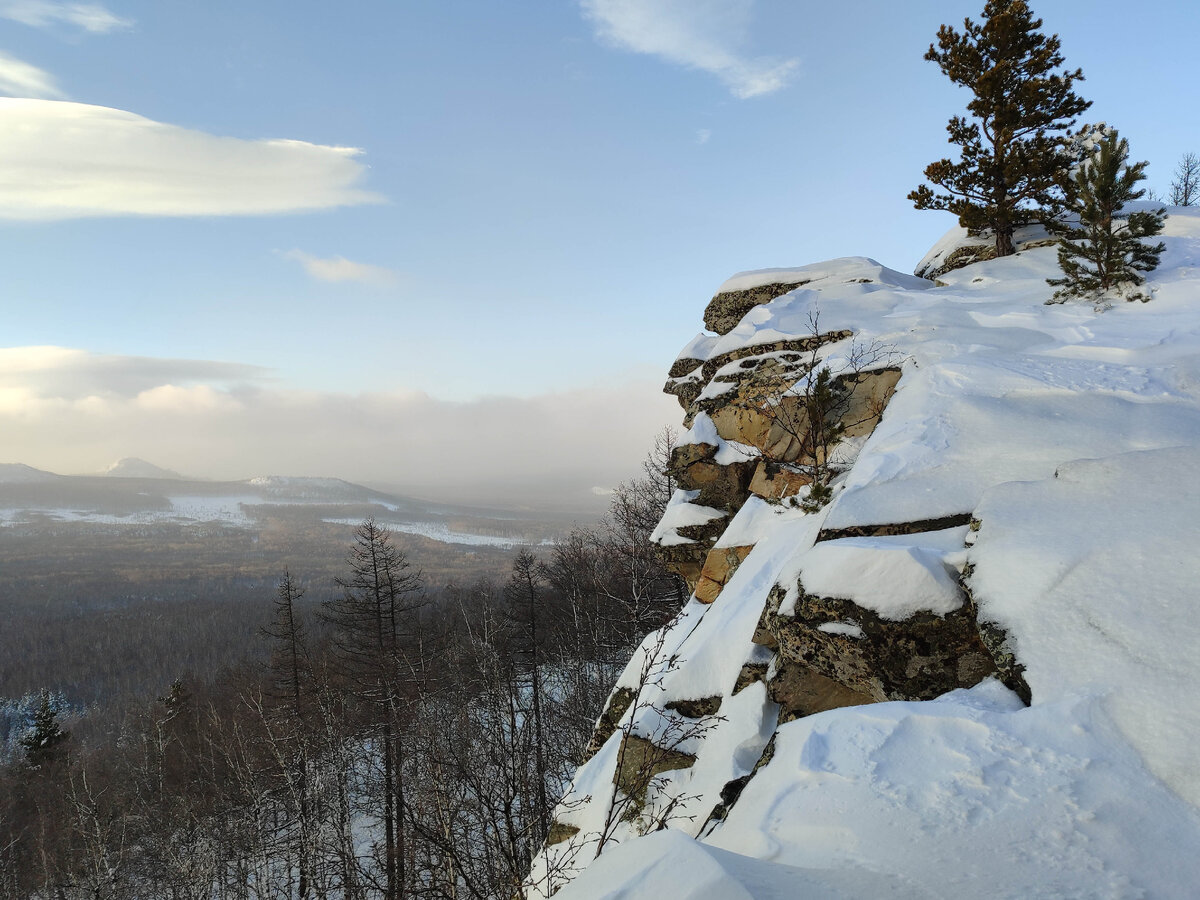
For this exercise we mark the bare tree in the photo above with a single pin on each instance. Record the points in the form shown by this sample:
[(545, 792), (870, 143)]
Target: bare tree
[(290, 669), (375, 637), (1185, 186), (654, 740), (101, 831), (526, 595)]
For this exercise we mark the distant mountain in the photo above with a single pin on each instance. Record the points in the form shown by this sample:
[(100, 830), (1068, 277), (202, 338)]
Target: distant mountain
[(132, 467), (299, 489), (19, 473)]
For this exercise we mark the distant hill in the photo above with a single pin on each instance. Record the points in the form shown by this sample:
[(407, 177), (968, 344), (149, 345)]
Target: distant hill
[(19, 473), (132, 467)]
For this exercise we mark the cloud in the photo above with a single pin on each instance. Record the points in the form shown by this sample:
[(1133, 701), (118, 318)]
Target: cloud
[(63, 160), (338, 268), (20, 79), (68, 410), (699, 34), (66, 375), (91, 17), (702, 135), (200, 398)]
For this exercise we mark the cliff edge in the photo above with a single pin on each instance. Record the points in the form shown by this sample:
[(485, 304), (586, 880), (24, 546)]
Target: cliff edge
[(943, 634)]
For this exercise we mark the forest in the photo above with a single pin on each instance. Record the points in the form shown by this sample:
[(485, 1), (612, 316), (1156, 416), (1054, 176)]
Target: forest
[(394, 740)]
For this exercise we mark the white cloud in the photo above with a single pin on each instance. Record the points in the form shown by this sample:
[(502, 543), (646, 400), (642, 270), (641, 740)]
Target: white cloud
[(91, 17), (338, 268), (199, 398), (20, 79), (699, 34), (32, 375), (702, 135), (70, 160), (69, 410)]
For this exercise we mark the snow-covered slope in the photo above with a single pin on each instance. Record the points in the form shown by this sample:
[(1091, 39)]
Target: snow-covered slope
[(1023, 513)]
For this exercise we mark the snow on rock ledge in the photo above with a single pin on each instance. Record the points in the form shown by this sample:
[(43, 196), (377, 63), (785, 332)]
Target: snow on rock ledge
[(864, 745), (1094, 574)]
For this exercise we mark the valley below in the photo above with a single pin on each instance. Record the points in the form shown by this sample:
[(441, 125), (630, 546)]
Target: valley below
[(113, 586)]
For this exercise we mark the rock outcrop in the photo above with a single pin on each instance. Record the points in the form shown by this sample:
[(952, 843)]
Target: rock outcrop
[(879, 587), (746, 396)]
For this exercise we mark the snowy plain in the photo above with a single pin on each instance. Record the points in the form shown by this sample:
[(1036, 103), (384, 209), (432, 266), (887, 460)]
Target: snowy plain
[(144, 501)]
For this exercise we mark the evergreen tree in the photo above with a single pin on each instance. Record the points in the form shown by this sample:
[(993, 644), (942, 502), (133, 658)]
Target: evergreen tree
[(1105, 252), (1012, 164), (176, 700), (44, 738)]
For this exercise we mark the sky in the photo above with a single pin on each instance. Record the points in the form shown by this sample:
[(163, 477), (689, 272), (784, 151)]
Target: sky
[(453, 247)]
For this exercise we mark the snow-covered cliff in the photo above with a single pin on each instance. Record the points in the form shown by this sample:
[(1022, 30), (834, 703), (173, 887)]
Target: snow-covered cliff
[(973, 672)]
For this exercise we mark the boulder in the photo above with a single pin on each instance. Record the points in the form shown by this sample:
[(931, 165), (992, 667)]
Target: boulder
[(802, 691), (916, 658), (772, 481), (726, 309), (639, 761), (719, 566)]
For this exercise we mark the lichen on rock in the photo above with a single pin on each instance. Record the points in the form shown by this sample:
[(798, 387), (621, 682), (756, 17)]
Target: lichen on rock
[(726, 309), (618, 704), (917, 658)]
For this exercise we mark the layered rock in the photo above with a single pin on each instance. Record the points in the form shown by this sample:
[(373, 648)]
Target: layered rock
[(884, 638)]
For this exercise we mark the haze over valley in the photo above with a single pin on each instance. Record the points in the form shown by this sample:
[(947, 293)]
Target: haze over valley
[(93, 568)]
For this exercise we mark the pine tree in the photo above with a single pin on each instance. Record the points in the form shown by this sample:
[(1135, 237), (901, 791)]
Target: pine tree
[(1012, 159), (44, 738), (1105, 252), (176, 700)]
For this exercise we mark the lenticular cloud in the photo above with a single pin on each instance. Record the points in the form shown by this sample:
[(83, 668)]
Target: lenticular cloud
[(70, 160)]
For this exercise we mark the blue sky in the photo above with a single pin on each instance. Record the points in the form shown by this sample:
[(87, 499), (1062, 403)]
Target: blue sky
[(340, 239)]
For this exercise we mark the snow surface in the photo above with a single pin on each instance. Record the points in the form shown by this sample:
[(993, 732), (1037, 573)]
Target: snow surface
[(848, 629), (967, 796), (656, 865), (1073, 436), (436, 531), (704, 431), (1095, 575), (894, 576), (957, 237), (818, 276), (699, 347), (681, 513), (228, 510)]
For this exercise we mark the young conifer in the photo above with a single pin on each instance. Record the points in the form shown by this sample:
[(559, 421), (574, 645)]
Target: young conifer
[(1012, 158), (1104, 254), (43, 740)]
